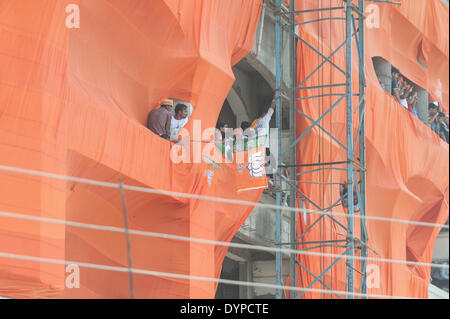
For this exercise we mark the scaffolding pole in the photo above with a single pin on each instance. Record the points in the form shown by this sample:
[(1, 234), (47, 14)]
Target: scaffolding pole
[(362, 145), (278, 57), (286, 18), (292, 154), (349, 110)]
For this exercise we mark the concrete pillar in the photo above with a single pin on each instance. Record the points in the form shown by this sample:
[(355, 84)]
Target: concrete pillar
[(422, 105), (383, 71), (243, 290), (250, 291)]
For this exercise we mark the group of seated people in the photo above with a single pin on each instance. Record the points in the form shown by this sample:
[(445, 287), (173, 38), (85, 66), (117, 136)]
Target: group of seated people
[(406, 92), (163, 123), (438, 121), (259, 128), (167, 124)]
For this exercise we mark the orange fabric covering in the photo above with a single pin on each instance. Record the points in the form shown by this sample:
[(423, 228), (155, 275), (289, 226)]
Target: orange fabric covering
[(75, 102), (407, 163)]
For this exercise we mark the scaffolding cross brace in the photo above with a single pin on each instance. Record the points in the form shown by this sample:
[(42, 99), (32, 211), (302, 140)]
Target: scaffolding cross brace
[(287, 19)]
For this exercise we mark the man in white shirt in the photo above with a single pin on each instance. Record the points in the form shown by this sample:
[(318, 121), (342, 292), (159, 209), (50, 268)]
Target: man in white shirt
[(262, 128), (179, 120)]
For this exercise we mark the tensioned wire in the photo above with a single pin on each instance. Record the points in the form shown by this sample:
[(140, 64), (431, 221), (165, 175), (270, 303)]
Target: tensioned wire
[(189, 277), (321, 142), (209, 198), (208, 241)]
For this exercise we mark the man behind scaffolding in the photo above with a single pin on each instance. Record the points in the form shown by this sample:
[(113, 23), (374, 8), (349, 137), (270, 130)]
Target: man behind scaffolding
[(262, 128), (343, 190)]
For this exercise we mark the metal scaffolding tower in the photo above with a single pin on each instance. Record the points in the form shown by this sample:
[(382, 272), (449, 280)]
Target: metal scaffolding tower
[(289, 19)]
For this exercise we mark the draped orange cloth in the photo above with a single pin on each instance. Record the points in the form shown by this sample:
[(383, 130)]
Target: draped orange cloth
[(407, 163), (74, 101)]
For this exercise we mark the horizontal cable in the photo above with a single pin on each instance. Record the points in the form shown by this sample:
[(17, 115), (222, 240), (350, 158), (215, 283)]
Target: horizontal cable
[(317, 10), (387, 1), (190, 277), (211, 242), (211, 198)]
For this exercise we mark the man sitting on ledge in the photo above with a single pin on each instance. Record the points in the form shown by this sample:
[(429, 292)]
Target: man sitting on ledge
[(159, 120)]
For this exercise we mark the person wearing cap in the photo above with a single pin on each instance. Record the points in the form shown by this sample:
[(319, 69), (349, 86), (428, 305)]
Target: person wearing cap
[(159, 120)]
